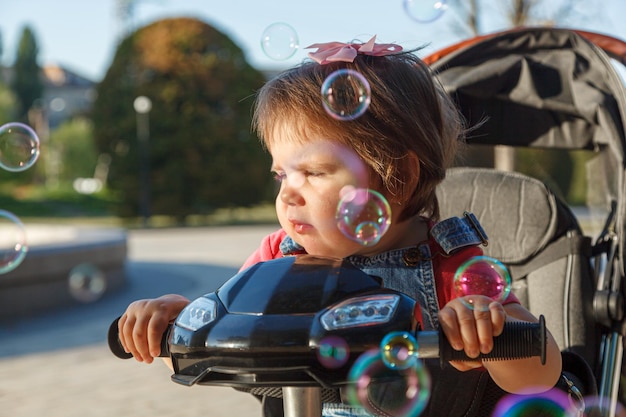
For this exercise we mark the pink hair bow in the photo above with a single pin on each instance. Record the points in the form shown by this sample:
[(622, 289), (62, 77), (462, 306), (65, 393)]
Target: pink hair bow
[(346, 52)]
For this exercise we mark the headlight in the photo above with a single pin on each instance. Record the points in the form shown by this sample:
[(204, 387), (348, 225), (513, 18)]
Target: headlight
[(361, 311), (197, 314)]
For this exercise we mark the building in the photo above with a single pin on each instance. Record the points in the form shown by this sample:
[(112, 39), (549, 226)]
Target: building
[(66, 93)]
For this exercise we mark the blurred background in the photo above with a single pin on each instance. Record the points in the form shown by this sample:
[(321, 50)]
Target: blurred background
[(148, 178)]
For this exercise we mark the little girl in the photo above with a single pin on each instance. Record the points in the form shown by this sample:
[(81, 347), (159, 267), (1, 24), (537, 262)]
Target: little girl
[(404, 142)]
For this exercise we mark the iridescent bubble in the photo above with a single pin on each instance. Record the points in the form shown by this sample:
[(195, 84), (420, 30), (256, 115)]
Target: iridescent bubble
[(346, 94), (363, 215), (399, 350), (410, 387), (425, 11), (553, 403), (482, 275), (333, 352), (13, 246), (86, 283), (279, 41), (19, 147), (596, 406)]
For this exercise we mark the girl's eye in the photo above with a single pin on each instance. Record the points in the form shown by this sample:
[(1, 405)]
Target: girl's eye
[(279, 176), (314, 174)]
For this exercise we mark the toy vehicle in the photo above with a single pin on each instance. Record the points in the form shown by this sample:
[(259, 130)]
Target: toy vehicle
[(265, 326)]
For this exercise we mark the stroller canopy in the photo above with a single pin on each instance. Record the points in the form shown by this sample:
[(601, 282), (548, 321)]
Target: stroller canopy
[(546, 88)]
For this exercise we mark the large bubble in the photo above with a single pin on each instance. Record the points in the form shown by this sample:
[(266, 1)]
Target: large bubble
[(279, 41), (482, 275), (19, 147), (553, 403), (425, 11), (13, 245), (363, 215), (400, 392), (346, 94)]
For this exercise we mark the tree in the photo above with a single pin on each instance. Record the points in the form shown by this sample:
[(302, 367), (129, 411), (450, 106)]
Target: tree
[(203, 155), (26, 84), (476, 17), (72, 143), (7, 104)]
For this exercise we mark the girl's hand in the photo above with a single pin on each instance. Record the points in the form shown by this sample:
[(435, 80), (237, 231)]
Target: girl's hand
[(472, 326), (142, 326)]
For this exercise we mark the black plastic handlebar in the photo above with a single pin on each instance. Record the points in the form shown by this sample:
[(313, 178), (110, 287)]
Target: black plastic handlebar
[(118, 350), (518, 340)]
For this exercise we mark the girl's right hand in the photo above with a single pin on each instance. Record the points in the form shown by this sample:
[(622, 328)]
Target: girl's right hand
[(142, 326)]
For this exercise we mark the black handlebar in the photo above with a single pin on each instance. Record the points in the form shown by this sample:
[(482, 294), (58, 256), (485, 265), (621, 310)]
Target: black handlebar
[(118, 350), (518, 340)]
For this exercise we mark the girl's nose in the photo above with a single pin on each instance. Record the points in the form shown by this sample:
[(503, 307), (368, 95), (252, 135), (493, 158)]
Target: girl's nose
[(290, 191)]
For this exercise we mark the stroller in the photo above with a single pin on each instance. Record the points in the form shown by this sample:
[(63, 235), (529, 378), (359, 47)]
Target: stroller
[(550, 89)]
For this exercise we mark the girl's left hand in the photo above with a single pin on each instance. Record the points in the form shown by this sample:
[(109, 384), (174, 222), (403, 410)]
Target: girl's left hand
[(470, 323)]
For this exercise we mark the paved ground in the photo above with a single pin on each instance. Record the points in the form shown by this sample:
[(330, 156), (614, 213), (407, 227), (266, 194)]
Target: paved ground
[(59, 365)]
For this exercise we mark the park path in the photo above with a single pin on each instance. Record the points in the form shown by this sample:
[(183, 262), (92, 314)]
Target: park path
[(58, 365)]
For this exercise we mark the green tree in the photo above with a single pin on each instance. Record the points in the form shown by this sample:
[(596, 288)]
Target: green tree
[(203, 155), (73, 145), (26, 84), (7, 104)]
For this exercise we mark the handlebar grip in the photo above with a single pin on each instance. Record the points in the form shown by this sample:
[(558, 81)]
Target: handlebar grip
[(118, 350), (518, 340)]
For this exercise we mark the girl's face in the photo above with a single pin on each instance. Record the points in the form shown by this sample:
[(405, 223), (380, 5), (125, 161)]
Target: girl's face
[(312, 175)]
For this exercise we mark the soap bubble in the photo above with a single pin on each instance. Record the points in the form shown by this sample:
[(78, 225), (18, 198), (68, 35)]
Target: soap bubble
[(363, 215), (409, 388), (597, 406), (554, 403), (425, 11), (482, 275), (13, 246), (346, 94), (279, 41), (19, 147), (86, 283), (333, 352), (399, 350)]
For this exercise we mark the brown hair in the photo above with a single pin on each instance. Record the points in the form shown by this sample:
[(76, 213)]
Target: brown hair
[(409, 112)]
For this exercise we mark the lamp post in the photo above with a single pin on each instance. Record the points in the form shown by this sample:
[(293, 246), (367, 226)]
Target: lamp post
[(143, 105)]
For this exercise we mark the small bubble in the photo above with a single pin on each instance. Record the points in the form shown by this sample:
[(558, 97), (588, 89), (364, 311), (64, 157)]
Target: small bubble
[(279, 41), (425, 11), (346, 94), (13, 246), (399, 350), (86, 283), (19, 147), (363, 215), (333, 352)]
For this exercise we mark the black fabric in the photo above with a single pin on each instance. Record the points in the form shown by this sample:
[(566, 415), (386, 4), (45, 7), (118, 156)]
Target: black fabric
[(541, 87)]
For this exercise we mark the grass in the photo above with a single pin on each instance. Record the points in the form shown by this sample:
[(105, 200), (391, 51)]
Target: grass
[(65, 206)]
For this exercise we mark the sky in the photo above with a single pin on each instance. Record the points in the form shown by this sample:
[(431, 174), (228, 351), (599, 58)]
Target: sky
[(82, 35)]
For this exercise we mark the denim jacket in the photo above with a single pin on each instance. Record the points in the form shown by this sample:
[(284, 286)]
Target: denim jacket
[(416, 279)]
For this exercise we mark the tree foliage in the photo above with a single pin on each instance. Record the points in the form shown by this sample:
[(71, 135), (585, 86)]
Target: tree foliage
[(203, 155), (73, 144), (26, 84)]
